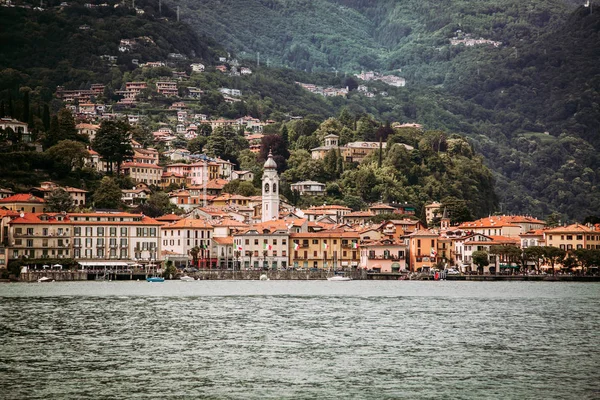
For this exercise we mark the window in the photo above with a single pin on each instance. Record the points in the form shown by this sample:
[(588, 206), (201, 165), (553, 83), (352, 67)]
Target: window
[(256, 242), (579, 237), (77, 231), (44, 231), (29, 242), (100, 231), (284, 242), (123, 231), (266, 188), (315, 253), (274, 242), (30, 231), (315, 241), (569, 237), (113, 231)]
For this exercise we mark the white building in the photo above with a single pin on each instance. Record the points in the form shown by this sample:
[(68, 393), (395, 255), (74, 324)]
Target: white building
[(310, 188)]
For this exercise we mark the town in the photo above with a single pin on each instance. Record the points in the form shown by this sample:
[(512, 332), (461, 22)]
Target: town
[(234, 232)]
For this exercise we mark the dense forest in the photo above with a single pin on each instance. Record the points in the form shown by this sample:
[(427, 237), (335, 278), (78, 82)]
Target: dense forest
[(531, 107)]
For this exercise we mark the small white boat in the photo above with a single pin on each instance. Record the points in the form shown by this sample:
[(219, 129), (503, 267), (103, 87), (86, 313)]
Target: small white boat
[(186, 278), (45, 279), (264, 277), (339, 278)]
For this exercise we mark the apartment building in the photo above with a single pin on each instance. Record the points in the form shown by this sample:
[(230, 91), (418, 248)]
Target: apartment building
[(86, 236)]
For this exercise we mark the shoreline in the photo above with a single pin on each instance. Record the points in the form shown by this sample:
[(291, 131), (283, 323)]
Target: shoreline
[(358, 275)]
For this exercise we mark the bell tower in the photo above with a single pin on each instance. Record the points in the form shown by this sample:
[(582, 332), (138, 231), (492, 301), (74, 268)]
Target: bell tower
[(270, 190), (445, 221)]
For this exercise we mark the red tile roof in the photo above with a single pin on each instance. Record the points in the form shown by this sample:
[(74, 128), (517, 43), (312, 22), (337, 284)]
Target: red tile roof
[(22, 198)]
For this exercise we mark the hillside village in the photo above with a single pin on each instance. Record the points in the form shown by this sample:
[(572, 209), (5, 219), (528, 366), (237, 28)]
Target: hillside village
[(223, 231)]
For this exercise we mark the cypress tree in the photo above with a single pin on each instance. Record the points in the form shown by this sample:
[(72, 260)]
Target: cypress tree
[(2, 111), (25, 116), (46, 117), (11, 106)]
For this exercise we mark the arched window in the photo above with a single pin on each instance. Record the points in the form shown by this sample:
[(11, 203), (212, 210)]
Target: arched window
[(274, 188), (266, 188)]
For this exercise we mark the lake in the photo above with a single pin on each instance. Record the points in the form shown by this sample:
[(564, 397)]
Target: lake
[(299, 339)]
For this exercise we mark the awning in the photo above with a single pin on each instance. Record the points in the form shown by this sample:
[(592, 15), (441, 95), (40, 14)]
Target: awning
[(103, 264)]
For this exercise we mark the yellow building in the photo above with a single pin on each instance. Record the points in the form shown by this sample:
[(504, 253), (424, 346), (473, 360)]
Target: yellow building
[(324, 250), (423, 247), (23, 202), (573, 237)]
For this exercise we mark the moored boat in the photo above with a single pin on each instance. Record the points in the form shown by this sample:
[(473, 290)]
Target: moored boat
[(155, 279), (186, 278), (339, 278)]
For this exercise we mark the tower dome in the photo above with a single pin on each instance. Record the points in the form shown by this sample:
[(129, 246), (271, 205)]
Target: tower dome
[(270, 163)]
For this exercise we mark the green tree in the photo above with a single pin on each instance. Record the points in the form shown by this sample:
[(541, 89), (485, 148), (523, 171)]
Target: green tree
[(53, 134), (68, 155), (170, 270), (194, 252), (480, 258), (197, 144), (26, 105), (535, 254), (157, 204), (113, 143), (59, 200), (46, 117), (108, 194), (554, 255), (66, 126), (243, 188), (553, 220)]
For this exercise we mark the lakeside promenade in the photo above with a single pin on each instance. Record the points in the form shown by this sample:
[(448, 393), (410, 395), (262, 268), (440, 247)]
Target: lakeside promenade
[(92, 275)]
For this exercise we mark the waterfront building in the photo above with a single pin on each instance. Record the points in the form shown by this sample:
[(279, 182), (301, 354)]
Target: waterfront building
[(385, 255), (503, 225), (573, 237), (331, 249), (92, 237), (423, 249), (182, 236), (263, 245)]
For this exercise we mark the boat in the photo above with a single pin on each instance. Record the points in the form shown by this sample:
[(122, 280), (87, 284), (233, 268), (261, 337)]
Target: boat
[(264, 277), (45, 279), (186, 278), (339, 278), (155, 279)]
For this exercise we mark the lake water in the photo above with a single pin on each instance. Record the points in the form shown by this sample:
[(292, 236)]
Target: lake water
[(300, 339)]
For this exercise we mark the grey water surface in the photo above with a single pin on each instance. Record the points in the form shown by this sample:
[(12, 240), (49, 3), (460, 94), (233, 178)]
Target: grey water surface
[(299, 339)]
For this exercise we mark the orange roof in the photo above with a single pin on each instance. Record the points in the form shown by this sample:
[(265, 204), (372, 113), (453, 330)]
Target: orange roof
[(228, 222), (424, 232), (70, 218), (168, 218), (140, 165), (573, 228), (223, 240), (325, 234), (22, 198), (189, 223), (500, 221), (367, 214)]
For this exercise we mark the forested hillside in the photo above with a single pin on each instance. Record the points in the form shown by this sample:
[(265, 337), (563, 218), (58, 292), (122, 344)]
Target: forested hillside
[(530, 106), (527, 104)]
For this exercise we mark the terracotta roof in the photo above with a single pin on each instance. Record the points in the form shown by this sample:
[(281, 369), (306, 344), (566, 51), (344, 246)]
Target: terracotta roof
[(224, 240), (22, 198), (424, 232), (168, 218), (140, 165), (189, 223), (500, 221), (34, 218), (325, 234), (360, 214), (573, 228)]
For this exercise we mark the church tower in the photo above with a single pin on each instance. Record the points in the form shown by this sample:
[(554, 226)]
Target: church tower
[(270, 190), (445, 221)]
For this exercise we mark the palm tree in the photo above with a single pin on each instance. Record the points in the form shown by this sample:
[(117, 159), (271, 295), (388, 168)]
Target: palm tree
[(194, 252)]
